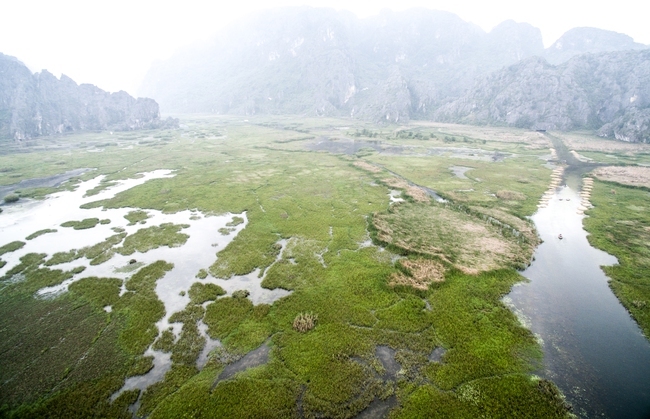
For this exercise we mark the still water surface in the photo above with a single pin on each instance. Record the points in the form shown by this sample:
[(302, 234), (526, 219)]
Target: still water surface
[(593, 350)]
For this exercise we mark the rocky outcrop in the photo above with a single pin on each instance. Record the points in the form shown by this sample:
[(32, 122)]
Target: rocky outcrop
[(393, 66), (609, 91), (33, 105), (633, 126), (578, 41)]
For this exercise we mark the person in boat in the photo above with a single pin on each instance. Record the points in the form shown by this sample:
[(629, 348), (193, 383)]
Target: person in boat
[(559, 236)]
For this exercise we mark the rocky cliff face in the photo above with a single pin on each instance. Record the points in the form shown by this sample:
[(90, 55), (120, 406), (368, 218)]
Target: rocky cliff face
[(394, 66), (608, 91), (38, 104)]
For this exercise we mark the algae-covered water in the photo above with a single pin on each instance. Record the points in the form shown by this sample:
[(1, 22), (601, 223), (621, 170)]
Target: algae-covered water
[(593, 349)]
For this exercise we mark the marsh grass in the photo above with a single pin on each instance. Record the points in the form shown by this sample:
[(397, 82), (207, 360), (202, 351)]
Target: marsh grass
[(11, 247), (136, 216), (200, 293), (511, 195), (11, 198), (165, 341), (83, 224), (145, 239), (78, 349), (40, 233), (620, 225), (240, 294), (523, 176), (453, 236), (418, 273), (235, 221), (321, 204)]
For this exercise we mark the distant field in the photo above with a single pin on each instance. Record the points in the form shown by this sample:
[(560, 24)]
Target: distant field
[(590, 142), (532, 139)]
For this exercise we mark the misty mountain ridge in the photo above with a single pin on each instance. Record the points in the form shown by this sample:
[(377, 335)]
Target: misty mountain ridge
[(36, 104), (579, 41), (391, 67), (608, 92)]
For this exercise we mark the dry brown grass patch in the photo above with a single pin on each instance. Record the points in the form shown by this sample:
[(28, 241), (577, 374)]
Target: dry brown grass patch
[(304, 322), (417, 194), (461, 239), (422, 273), (396, 183), (367, 166), (511, 195), (592, 143), (627, 175)]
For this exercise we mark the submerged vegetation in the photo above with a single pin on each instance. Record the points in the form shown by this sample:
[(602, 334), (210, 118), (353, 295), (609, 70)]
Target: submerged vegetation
[(315, 225)]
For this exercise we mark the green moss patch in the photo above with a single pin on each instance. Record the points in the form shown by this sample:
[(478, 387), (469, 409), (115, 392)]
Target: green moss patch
[(40, 233), (11, 247), (83, 224), (154, 237), (200, 293), (137, 216)]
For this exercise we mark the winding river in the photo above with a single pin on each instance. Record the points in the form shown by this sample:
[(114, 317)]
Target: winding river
[(593, 350)]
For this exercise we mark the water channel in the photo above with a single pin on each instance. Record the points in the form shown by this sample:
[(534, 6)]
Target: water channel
[(593, 349)]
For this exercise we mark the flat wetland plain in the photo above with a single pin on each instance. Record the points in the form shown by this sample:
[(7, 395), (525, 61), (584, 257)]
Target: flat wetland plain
[(404, 298)]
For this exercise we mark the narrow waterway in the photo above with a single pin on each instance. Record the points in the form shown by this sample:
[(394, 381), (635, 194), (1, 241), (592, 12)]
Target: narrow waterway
[(593, 350)]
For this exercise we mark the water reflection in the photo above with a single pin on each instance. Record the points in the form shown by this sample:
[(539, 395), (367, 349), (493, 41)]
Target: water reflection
[(593, 350)]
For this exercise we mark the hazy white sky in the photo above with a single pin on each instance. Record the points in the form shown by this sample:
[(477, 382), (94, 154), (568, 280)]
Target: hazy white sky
[(112, 43)]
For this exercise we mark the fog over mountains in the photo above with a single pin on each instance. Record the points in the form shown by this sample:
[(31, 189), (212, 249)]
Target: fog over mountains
[(417, 64), (606, 91), (397, 66), (394, 66), (38, 104)]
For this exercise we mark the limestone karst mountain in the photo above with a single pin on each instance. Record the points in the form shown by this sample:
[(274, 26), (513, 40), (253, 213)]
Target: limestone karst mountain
[(579, 41), (394, 66), (416, 64), (38, 104), (608, 92)]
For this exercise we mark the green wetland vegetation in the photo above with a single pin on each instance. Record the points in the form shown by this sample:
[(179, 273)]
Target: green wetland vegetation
[(619, 223), (415, 276)]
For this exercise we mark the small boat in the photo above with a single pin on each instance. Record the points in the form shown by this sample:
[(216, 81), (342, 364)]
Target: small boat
[(568, 199), (559, 237), (560, 199)]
